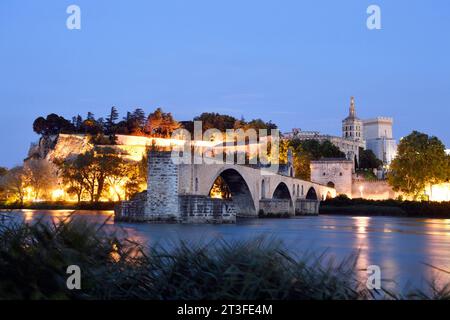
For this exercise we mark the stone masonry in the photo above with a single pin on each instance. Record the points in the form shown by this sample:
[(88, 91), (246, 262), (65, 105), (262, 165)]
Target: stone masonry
[(181, 193), (162, 199)]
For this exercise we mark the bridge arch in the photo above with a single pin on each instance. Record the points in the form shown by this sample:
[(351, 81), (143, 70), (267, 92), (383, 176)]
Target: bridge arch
[(330, 184), (241, 195), (282, 192), (312, 194)]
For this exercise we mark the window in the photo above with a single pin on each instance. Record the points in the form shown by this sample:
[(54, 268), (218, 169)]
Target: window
[(196, 184), (263, 189)]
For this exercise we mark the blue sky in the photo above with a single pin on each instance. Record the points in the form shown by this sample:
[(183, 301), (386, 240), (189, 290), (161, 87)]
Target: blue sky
[(293, 62)]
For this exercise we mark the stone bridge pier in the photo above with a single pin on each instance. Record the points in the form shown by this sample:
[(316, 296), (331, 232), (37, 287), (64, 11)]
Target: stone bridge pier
[(181, 193)]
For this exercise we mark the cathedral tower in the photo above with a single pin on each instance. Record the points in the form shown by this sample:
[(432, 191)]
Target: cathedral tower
[(352, 126)]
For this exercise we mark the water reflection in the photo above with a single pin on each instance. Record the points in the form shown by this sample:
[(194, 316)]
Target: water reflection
[(402, 247), (362, 244), (437, 263)]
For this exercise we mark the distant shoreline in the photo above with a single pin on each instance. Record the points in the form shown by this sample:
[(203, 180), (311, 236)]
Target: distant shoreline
[(391, 208), (100, 206), (352, 207)]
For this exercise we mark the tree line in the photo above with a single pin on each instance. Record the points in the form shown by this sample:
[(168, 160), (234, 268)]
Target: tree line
[(156, 124)]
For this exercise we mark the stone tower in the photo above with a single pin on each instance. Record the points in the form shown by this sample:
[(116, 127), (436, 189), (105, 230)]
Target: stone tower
[(352, 126), (162, 192)]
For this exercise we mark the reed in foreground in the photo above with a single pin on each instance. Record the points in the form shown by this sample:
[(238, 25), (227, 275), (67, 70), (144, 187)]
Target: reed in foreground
[(34, 259)]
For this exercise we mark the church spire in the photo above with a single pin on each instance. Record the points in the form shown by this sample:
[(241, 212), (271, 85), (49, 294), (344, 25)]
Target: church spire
[(352, 113)]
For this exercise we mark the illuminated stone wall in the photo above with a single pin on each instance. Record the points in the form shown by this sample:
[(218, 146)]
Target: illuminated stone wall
[(333, 171), (439, 192), (162, 192), (373, 190)]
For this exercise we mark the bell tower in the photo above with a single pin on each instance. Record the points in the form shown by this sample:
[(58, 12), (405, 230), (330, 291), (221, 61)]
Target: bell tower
[(352, 125)]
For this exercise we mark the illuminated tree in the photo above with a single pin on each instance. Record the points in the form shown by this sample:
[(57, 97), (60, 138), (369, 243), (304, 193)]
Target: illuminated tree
[(110, 124), (40, 176), (161, 124), (302, 164), (306, 151), (52, 125), (14, 184), (421, 161), (94, 171), (70, 172), (137, 177)]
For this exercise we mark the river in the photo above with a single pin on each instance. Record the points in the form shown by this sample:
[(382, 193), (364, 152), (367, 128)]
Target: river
[(404, 248)]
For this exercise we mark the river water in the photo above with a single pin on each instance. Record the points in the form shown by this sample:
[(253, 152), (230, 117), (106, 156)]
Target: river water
[(403, 248)]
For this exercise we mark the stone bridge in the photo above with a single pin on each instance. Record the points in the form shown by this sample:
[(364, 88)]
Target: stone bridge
[(181, 192)]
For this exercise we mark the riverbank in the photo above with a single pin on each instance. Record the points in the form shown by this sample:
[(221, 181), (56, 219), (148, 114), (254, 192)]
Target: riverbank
[(396, 208), (59, 205)]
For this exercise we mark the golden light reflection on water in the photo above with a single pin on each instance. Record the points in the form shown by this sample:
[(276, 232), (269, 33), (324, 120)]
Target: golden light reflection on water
[(28, 215), (438, 227), (57, 216), (360, 224), (365, 226), (438, 255)]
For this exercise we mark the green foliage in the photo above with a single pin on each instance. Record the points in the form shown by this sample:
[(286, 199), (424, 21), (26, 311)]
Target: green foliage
[(41, 176), (13, 184), (307, 150), (224, 122), (368, 160), (161, 124), (3, 171), (216, 121), (52, 125), (367, 174), (94, 171), (157, 124), (421, 161)]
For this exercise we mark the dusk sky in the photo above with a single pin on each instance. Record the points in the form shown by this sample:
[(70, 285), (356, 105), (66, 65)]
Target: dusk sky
[(293, 62)]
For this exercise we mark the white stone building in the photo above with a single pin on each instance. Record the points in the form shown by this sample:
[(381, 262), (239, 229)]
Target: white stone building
[(373, 134), (378, 136), (334, 173), (349, 143)]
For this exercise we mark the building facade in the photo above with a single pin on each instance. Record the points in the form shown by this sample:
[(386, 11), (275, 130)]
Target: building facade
[(334, 173), (373, 134), (378, 136)]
